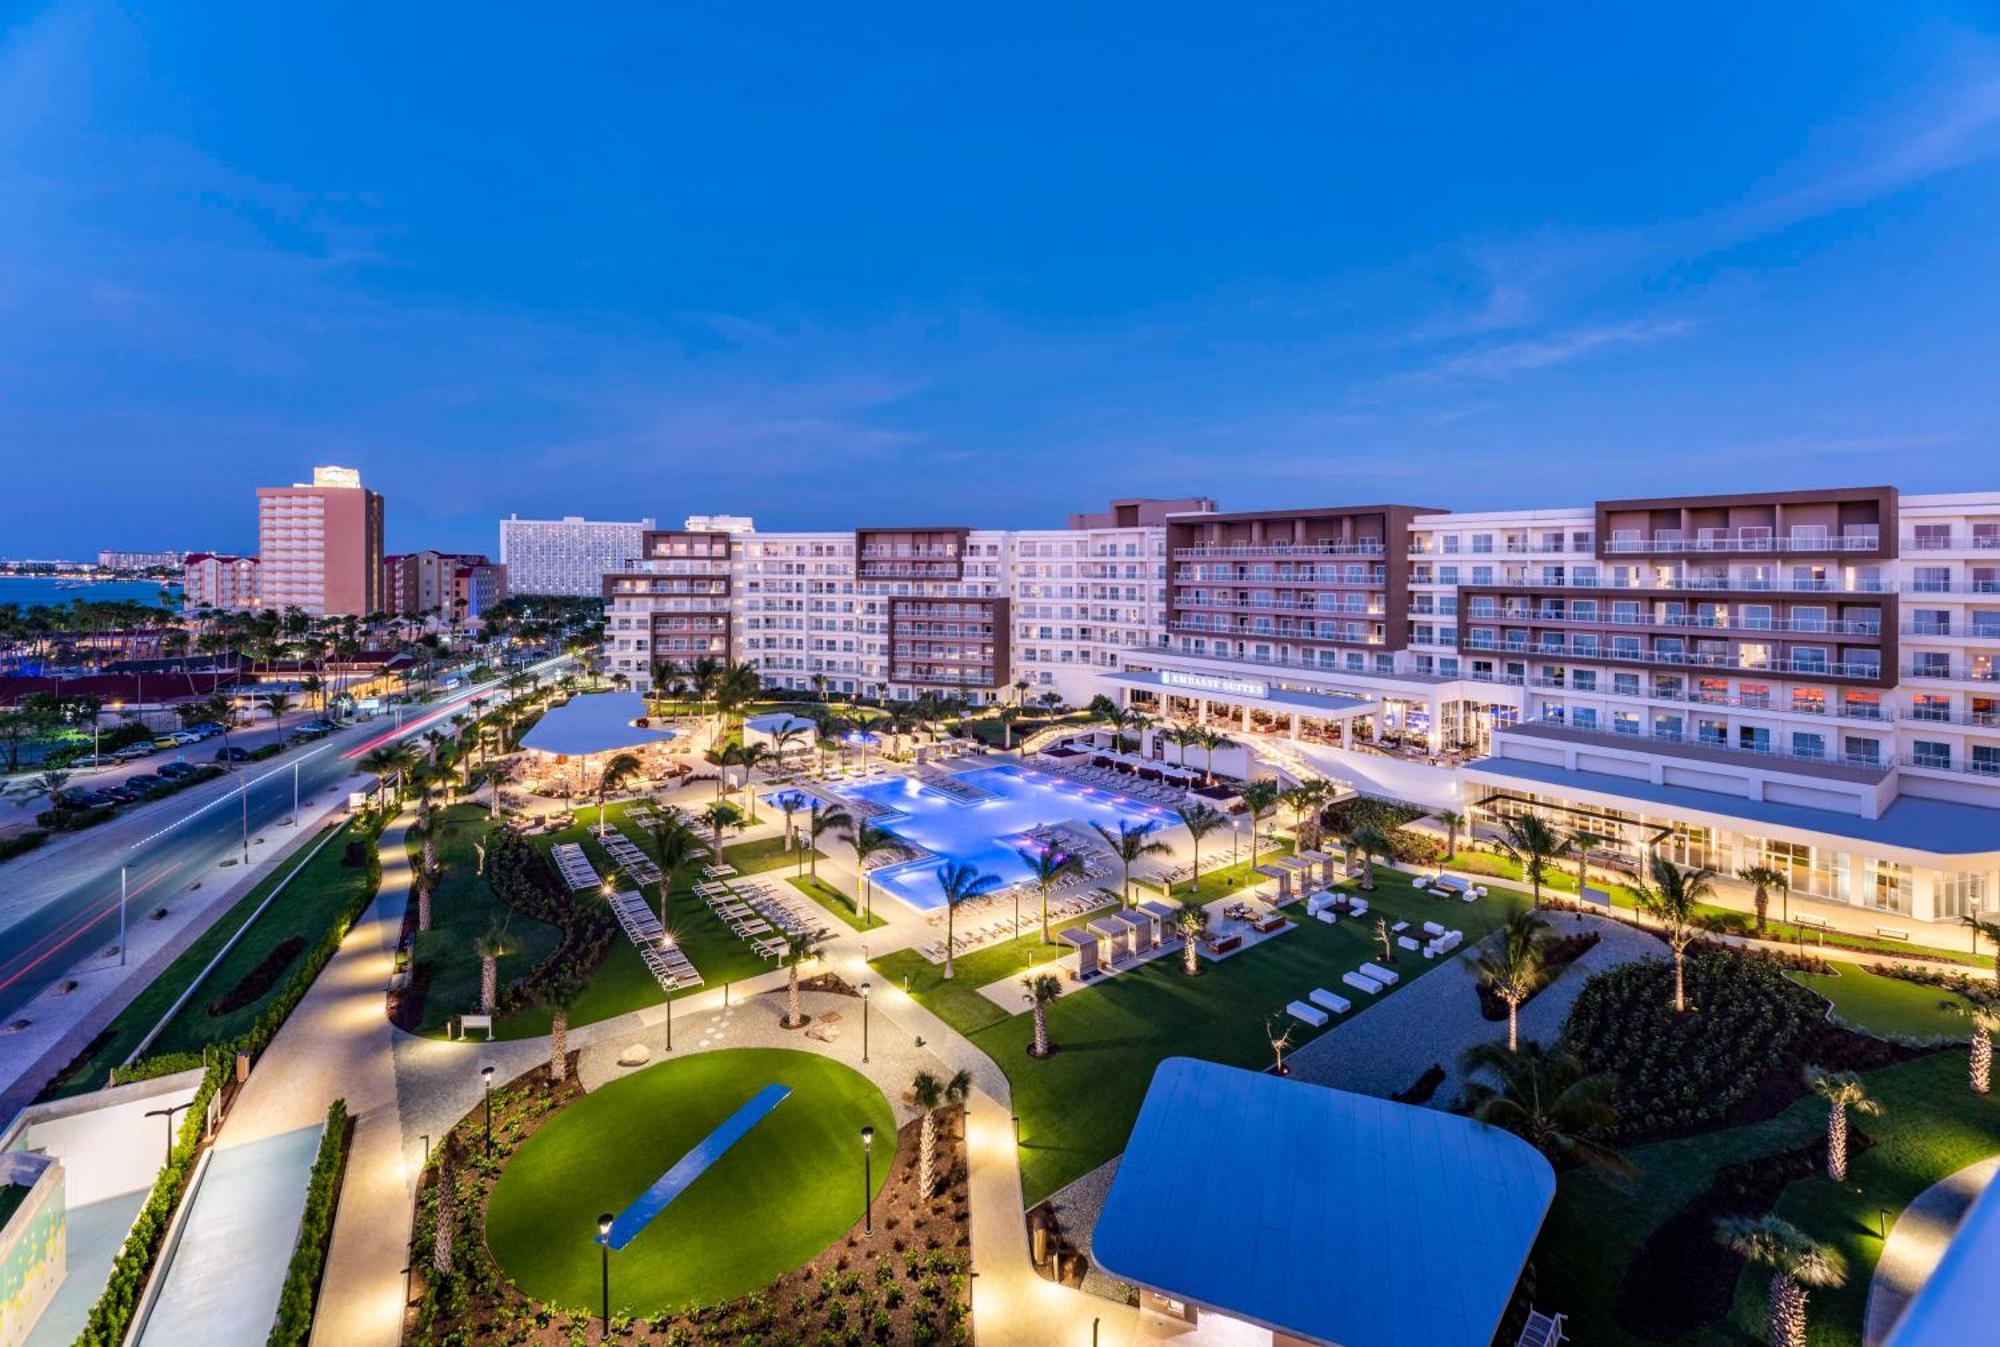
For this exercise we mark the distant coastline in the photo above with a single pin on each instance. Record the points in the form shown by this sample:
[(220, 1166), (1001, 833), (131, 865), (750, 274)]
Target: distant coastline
[(46, 591)]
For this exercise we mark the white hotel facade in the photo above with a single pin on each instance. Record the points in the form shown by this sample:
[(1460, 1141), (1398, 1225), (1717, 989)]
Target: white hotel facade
[(1807, 679)]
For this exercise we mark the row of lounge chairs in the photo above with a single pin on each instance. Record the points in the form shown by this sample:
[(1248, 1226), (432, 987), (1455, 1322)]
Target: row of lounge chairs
[(1096, 867), (1319, 1006), (1451, 886), (574, 866), (627, 855), (970, 938), (759, 914), (1119, 783), (670, 967), (1372, 978)]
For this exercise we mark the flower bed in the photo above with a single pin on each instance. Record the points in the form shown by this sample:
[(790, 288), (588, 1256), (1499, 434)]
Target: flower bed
[(525, 883)]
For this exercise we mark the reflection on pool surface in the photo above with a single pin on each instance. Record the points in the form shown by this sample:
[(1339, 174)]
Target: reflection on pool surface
[(986, 834)]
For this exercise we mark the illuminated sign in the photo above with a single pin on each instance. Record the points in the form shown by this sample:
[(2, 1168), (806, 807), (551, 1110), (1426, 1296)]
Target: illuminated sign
[(1228, 687)]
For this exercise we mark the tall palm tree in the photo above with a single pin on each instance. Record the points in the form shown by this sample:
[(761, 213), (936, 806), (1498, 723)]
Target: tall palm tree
[(275, 705), (1452, 821), (1371, 842), (1530, 839), (1259, 798), (1200, 820), (799, 946), (1674, 896), (750, 757), (1991, 930), (617, 772), (1512, 969), (1842, 1091), (959, 883), (1764, 880), (491, 948), (560, 1004), (1985, 1019), (868, 842), (51, 783), (790, 802), (1543, 1096), (1209, 740), (715, 818), (1302, 800), (835, 820), (1580, 843), (1796, 1261), (675, 848), (1048, 868), (1192, 923), (927, 1093), (1039, 990), (721, 757), (1131, 843)]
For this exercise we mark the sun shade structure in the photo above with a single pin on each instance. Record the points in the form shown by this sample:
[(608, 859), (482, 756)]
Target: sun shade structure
[(599, 722), (1326, 1216)]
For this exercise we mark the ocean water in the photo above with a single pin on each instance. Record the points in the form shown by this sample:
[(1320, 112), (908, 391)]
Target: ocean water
[(30, 591)]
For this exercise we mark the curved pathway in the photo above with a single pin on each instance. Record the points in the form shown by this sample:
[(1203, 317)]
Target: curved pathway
[(1916, 1242)]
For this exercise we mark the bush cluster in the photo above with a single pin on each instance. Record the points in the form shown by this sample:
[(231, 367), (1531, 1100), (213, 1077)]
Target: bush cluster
[(301, 1291), (523, 880), (1676, 1072)]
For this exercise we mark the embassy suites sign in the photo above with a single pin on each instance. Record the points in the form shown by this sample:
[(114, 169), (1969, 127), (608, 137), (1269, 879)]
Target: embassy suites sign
[(1226, 687)]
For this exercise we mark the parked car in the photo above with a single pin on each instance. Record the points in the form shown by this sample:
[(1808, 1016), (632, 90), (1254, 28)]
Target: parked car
[(143, 782), (134, 752), (186, 737), (232, 754), (174, 771), (166, 741), (206, 729), (120, 794), (94, 760)]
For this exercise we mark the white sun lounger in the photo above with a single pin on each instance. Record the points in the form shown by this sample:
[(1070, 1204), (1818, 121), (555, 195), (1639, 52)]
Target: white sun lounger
[(1362, 983), (1387, 977), (1320, 996), (1306, 1014)]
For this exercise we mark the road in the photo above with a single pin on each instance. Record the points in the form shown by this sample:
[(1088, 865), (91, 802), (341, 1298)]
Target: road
[(60, 904)]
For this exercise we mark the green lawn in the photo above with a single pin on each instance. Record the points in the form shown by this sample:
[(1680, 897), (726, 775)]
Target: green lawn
[(765, 853), (836, 902), (782, 1194), (1077, 1108), (1220, 877), (463, 908), (1933, 1126), (958, 1001), (130, 1027), (1888, 1007)]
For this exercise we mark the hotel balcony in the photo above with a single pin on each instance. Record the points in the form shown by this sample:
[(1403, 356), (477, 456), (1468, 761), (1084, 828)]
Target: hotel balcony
[(1279, 605), (1952, 587), (1324, 577), (1365, 547), (1328, 635), (1988, 767), (1801, 759), (1984, 538), (1685, 584), (1955, 672), (1870, 713), (1948, 631), (1749, 540), (1552, 650)]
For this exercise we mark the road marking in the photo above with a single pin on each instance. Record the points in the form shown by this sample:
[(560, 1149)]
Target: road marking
[(243, 788)]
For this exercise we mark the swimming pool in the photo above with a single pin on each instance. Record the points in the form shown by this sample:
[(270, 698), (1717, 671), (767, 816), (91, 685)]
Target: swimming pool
[(986, 834)]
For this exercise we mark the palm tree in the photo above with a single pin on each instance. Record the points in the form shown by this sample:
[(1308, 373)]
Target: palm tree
[(1985, 1019), (750, 757), (1580, 843), (1453, 821), (868, 842), (1763, 881), (1512, 969), (1192, 922), (1201, 821), (1041, 988), (275, 705), (1674, 896), (790, 802), (384, 763), (222, 711), (835, 820), (1259, 798), (1796, 1261), (675, 848), (490, 948), (1130, 843), (1302, 800), (1209, 740), (799, 946), (1371, 842), (445, 1231), (717, 817), (51, 783), (958, 883), (616, 773), (1048, 868), (559, 1035), (927, 1093), (1529, 839), (1543, 1096), (1991, 930), (1842, 1091), (721, 757), (1184, 737)]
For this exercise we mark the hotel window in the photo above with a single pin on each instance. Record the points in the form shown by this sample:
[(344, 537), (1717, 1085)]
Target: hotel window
[(1984, 759), (1670, 728), (1930, 537), (1625, 684), (1482, 542), (1890, 885), (1930, 580), (1810, 701), (1930, 753), (1712, 732), (1960, 893), (1856, 749), (1584, 717), (1930, 706), (1861, 705), (1447, 575), (1753, 738), (1584, 680), (1624, 722), (1806, 744)]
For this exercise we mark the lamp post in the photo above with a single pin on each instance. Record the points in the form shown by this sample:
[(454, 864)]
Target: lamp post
[(486, 1079), (168, 1113), (864, 1023), (604, 1250), (295, 794), (867, 1180), (121, 916), (668, 940)]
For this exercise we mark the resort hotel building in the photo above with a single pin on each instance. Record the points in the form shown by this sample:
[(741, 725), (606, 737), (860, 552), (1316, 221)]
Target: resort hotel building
[(565, 557), (1808, 680)]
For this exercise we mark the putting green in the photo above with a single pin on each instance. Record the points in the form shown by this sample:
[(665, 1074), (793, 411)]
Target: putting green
[(770, 1203)]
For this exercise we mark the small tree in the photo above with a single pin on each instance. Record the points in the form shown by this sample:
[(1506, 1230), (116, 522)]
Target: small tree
[(927, 1093), (1842, 1091), (1382, 939), (1201, 820), (445, 1232), (1453, 821), (1301, 801), (717, 817), (1279, 1040), (1991, 930), (1047, 868), (1985, 1019), (958, 883), (1192, 922), (1513, 969), (799, 946), (1674, 896), (1543, 1096), (1764, 880), (1529, 839), (1259, 799), (1370, 842), (1129, 844), (1041, 988), (1796, 1262)]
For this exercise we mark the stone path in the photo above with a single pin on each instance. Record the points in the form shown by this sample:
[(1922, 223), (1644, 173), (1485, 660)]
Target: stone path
[(1916, 1242)]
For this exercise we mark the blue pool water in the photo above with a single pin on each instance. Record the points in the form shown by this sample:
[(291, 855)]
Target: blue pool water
[(987, 834)]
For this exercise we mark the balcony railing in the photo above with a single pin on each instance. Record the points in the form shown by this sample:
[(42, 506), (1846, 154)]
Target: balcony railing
[(1812, 753), (1983, 720), (1986, 767), (1970, 673), (1677, 659), (1262, 634), (1876, 714), (1951, 587), (1689, 584), (1687, 621), (1366, 547), (1745, 540), (1952, 542)]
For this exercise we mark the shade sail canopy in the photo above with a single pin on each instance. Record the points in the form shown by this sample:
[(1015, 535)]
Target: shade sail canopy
[(1334, 1217), (599, 722)]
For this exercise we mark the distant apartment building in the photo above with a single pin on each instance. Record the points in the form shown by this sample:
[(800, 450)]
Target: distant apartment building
[(138, 561), (1804, 680), (569, 556), (216, 580), (456, 587), (320, 545)]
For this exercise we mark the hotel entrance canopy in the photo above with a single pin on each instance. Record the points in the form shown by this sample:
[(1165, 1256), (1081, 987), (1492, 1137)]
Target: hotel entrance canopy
[(597, 722), (1328, 1216), (1248, 690)]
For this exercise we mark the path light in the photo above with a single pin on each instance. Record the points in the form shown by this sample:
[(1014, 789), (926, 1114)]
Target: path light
[(864, 1023), (868, 1180), (486, 1079), (604, 1249)]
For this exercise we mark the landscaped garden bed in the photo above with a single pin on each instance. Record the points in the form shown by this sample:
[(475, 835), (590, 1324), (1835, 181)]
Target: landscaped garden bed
[(1558, 953)]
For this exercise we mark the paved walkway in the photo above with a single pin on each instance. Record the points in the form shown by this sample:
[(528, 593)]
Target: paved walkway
[(1916, 1242)]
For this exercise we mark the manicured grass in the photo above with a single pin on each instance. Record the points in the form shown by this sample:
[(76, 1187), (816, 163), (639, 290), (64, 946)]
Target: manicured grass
[(958, 1002), (1932, 1127), (1221, 880), (1888, 1007), (463, 908), (782, 1194), (836, 902), (765, 853), (1077, 1108)]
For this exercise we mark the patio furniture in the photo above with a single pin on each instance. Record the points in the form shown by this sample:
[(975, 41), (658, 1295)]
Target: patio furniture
[(1388, 977), (1329, 916), (1320, 996), (1306, 1014), (1362, 983)]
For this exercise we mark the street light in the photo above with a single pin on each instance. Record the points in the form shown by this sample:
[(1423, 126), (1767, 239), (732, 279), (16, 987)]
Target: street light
[(486, 1077), (121, 916), (604, 1249), (168, 1114), (868, 1180), (864, 1023)]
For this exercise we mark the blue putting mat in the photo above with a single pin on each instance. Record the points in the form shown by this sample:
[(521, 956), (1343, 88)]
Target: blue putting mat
[(625, 1227)]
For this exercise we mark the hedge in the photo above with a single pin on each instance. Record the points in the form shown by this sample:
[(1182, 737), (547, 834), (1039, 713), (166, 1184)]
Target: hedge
[(300, 1296), (111, 1316), (22, 843)]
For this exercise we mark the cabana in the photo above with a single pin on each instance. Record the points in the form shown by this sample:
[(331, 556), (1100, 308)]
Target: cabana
[(1140, 935), (596, 725), (1164, 918), (1327, 877), (1117, 938), (1086, 946), (1284, 878)]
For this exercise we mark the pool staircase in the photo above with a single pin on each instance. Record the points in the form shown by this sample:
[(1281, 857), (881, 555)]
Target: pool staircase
[(953, 786)]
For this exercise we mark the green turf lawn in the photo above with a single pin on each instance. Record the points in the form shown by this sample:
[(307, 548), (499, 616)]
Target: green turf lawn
[(1077, 1108), (958, 1001), (1219, 877), (1934, 1125), (1888, 1007), (765, 853), (773, 1201), (834, 901), (463, 908)]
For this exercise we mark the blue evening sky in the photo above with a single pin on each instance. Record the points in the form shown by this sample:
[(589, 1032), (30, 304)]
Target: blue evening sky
[(832, 264)]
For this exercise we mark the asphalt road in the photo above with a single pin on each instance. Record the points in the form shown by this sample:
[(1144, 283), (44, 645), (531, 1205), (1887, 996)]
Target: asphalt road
[(60, 905)]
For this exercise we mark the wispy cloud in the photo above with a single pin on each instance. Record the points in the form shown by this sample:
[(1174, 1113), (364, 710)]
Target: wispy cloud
[(1527, 354)]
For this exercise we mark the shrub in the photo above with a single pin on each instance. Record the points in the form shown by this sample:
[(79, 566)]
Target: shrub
[(300, 1295), (523, 881), (21, 843)]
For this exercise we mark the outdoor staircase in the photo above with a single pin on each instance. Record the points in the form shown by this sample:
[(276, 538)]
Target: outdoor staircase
[(1541, 1331)]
